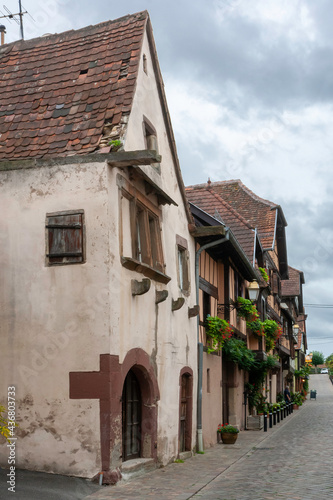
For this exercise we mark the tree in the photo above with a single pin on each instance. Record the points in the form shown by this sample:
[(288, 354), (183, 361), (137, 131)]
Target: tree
[(329, 359), (329, 363), (317, 359)]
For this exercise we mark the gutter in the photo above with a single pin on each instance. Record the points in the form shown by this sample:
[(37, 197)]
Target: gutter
[(200, 345)]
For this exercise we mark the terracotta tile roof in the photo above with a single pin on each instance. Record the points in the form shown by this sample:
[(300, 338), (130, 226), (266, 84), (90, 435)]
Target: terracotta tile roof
[(59, 94), (256, 211), (292, 286), (209, 201)]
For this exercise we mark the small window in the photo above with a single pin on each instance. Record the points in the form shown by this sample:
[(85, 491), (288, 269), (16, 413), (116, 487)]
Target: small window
[(206, 306), (65, 237), (147, 246), (151, 139), (184, 283)]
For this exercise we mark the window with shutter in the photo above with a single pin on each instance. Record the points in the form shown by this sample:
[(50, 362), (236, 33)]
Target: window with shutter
[(65, 237)]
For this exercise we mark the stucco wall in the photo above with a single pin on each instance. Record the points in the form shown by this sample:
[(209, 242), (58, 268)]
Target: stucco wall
[(212, 400), (60, 319), (52, 317), (169, 337)]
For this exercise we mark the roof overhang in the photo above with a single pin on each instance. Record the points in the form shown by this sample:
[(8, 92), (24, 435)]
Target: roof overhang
[(211, 229)]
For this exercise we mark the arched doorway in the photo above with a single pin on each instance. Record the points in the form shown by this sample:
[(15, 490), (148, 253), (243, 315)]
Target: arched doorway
[(137, 363), (185, 409), (131, 417)]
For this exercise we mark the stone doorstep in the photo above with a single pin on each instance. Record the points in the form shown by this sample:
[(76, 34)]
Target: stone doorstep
[(136, 467), (185, 455)]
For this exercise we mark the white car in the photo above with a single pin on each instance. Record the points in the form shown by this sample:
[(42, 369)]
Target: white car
[(324, 370)]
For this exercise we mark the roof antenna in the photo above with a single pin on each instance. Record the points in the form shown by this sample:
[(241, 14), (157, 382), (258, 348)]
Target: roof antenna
[(11, 17)]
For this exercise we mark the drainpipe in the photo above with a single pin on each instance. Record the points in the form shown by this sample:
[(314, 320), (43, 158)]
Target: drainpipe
[(200, 345)]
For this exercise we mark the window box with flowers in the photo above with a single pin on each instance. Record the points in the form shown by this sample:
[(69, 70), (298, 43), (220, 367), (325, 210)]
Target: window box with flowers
[(246, 310), (218, 331), (228, 433)]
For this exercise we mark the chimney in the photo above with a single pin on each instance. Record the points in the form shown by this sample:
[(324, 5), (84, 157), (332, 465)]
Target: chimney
[(2, 31)]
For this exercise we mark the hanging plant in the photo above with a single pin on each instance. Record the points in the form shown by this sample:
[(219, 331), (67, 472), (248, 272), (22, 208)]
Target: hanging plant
[(246, 310), (256, 327), (264, 274), (218, 331), (273, 332)]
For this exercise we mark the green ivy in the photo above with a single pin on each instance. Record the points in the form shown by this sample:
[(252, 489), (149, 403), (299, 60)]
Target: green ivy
[(264, 274), (235, 350)]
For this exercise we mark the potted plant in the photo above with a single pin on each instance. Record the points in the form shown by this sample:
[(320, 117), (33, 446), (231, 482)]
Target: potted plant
[(228, 433), (297, 400)]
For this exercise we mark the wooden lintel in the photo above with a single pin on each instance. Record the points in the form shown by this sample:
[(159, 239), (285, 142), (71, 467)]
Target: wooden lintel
[(123, 159), (146, 270), (177, 304), (202, 231)]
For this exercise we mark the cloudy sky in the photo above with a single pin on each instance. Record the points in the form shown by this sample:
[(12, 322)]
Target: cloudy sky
[(250, 91)]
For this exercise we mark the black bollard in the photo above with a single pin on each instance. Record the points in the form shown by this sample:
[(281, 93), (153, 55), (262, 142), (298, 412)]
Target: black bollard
[(278, 415), (284, 411), (274, 417), (270, 419), (265, 421)]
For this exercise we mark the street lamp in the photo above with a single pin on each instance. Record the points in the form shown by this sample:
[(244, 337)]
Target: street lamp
[(253, 290), (295, 329)]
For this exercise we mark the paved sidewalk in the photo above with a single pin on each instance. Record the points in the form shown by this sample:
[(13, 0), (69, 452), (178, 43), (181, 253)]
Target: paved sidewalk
[(292, 461)]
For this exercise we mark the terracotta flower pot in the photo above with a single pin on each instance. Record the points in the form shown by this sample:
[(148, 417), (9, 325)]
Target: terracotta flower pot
[(229, 437), (295, 407)]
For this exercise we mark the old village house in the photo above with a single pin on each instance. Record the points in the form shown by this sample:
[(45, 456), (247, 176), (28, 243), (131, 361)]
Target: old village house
[(98, 298)]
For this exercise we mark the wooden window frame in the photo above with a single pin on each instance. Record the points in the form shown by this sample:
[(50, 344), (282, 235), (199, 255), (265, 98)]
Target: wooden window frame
[(63, 257), (145, 217), (183, 264), (146, 236)]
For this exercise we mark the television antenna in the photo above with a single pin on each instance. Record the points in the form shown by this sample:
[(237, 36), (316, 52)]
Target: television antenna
[(13, 17)]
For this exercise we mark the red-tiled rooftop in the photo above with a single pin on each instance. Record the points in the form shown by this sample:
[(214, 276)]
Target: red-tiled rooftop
[(209, 201), (258, 212), (58, 92), (292, 286)]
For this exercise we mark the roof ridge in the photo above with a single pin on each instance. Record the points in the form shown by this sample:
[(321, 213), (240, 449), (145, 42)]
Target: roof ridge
[(207, 188), (26, 44), (229, 207), (271, 204), (256, 197)]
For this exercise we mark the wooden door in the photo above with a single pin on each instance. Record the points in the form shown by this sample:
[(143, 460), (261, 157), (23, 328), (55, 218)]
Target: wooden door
[(131, 411)]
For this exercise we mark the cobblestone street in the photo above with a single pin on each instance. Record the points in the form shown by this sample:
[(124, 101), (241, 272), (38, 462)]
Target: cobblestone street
[(291, 461)]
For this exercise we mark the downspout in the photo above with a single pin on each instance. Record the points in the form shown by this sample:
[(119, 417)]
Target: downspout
[(200, 345)]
